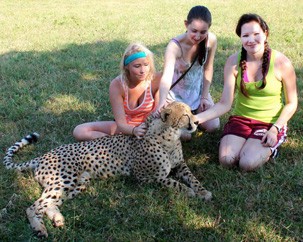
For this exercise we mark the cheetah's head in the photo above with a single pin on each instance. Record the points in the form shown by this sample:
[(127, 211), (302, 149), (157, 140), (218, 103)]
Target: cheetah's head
[(178, 115)]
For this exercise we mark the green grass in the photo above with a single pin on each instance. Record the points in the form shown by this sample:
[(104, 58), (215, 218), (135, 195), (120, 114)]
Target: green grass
[(56, 62)]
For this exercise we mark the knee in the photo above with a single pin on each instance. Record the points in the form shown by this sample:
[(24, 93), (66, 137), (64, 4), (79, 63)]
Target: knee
[(210, 126), (250, 164), (185, 136), (228, 161), (247, 165), (78, 132), (212, 129)]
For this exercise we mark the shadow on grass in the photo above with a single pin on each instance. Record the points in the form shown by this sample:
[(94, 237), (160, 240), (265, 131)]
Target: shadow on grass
[(52, 92)]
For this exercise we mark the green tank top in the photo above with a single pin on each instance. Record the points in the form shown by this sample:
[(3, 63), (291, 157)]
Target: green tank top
[(265, 104)]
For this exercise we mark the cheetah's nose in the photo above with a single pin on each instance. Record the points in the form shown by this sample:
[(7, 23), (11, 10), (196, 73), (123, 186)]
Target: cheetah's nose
[(196, 123)]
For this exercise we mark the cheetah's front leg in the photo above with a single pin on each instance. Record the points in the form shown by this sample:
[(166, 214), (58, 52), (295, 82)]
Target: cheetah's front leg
[(169, 182), (186, 175)]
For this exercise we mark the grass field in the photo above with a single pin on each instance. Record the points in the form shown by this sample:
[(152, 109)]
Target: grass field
[(57, 59)]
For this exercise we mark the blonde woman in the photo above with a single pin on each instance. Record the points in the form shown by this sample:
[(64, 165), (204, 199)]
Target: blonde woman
[(133, 96)]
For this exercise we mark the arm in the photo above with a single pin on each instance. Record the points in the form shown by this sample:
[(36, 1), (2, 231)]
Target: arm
[(209, 65), (171, 53), (155, 88), (116, 95), (284, 71), (227, 97), (208, 71)]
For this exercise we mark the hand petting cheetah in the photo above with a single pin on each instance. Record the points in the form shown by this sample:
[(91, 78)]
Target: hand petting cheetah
[(65, 171)]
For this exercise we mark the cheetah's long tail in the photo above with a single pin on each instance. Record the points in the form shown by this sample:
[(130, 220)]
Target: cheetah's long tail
[(8, 159)]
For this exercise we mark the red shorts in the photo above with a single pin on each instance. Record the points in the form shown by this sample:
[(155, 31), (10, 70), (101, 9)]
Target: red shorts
[(250, 128)]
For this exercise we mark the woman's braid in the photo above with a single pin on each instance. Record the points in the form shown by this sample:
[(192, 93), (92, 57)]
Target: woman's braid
[(265, 66), (243, 69)]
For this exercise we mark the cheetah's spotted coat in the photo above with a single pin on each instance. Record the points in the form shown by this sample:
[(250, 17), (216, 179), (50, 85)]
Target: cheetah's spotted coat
[(66, 171)]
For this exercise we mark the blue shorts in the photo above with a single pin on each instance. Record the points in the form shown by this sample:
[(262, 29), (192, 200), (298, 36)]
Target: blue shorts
[(250, 128)]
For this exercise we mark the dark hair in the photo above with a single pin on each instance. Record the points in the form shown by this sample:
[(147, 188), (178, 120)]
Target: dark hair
[(244, 19), (249, 17), (202, 13)]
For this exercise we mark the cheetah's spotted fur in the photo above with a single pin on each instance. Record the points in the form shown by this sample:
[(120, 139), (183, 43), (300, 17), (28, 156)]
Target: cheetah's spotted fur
[(66, 171)]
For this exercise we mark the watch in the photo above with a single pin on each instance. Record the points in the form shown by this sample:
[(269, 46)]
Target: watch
[(279, 128)]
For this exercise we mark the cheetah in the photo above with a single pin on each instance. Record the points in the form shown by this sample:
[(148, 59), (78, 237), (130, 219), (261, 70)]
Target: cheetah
[(67, 170)]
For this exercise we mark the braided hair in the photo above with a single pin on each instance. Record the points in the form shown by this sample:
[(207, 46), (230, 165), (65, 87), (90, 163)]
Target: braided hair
[(200, 12), (246, 18)]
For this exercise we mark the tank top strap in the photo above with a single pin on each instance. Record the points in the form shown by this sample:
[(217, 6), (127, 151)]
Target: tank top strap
[(177, 43), (125, 88), (149, 91)]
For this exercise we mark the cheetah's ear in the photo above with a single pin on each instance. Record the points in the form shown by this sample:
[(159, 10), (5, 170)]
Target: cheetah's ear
[(165, 113)]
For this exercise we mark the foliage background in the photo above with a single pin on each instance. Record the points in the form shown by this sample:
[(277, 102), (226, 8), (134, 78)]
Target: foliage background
[(57, 59)]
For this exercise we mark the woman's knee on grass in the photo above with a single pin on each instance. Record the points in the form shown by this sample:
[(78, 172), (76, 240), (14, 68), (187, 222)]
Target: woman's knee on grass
[(229, 150), (90, 131), (79, 131), (228, 161), (247, 163), (211, 125), (253, 155)]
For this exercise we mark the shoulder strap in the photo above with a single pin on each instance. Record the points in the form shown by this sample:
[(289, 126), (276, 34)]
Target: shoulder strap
[(183, 75), (179, 45)]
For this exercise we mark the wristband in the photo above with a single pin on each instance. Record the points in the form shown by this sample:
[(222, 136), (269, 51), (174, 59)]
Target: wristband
[(278, 128)]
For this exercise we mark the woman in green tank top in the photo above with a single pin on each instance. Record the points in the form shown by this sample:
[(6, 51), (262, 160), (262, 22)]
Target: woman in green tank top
[(258, 78)]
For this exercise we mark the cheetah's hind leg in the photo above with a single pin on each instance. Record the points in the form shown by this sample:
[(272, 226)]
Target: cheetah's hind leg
[(35, 217), (80, 185), (55, 216), (47, 203)]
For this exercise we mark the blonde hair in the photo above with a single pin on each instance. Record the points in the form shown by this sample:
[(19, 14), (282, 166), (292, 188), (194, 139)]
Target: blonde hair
[(134, 48)]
